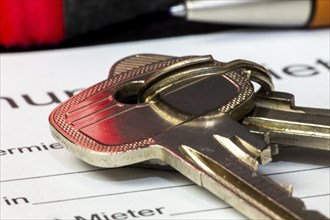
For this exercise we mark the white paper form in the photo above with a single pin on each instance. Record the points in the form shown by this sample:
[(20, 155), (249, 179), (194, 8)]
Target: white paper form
[(41, 180)]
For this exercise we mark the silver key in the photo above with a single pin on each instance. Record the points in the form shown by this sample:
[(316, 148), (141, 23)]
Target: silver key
[(143, 112), (280, 122)]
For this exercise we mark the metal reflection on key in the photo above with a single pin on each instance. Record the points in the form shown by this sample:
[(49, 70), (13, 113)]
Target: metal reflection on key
[(151, 107), (280, 122)]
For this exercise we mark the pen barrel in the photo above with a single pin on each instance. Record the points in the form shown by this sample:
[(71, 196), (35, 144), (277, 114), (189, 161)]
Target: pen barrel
[(321, 16), (300, 13), (251, 12)]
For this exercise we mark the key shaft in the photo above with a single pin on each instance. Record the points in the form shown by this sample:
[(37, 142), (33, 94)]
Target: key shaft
[(206, 160), (280, 122)]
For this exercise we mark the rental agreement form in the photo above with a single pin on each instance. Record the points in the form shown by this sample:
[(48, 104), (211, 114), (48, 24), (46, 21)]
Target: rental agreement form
[(41, 180)]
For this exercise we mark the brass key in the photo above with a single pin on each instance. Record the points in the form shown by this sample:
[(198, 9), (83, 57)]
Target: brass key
[(181, 111)]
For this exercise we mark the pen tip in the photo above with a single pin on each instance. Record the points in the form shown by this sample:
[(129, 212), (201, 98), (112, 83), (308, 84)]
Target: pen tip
[(178, 11)]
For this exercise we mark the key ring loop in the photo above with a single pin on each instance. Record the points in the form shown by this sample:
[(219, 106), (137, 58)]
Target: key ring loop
[(202, 66)]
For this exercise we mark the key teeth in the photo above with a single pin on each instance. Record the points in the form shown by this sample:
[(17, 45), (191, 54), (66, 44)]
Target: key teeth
[(266, 156), (263, 156), (245, 151), (232, 145), (277, 202), (288, 188), (274, 149)]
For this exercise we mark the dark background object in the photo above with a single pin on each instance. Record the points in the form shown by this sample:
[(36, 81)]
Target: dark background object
[(102, 21)]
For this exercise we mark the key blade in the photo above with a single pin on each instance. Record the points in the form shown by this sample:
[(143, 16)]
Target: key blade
[(216, 167), (255, 195), (280, 122), (211, 154)]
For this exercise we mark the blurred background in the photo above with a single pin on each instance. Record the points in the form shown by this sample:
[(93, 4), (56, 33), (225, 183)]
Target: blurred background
[(39, 24)]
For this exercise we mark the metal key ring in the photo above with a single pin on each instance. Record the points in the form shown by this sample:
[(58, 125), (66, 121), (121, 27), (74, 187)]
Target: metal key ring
[(203, 66)]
